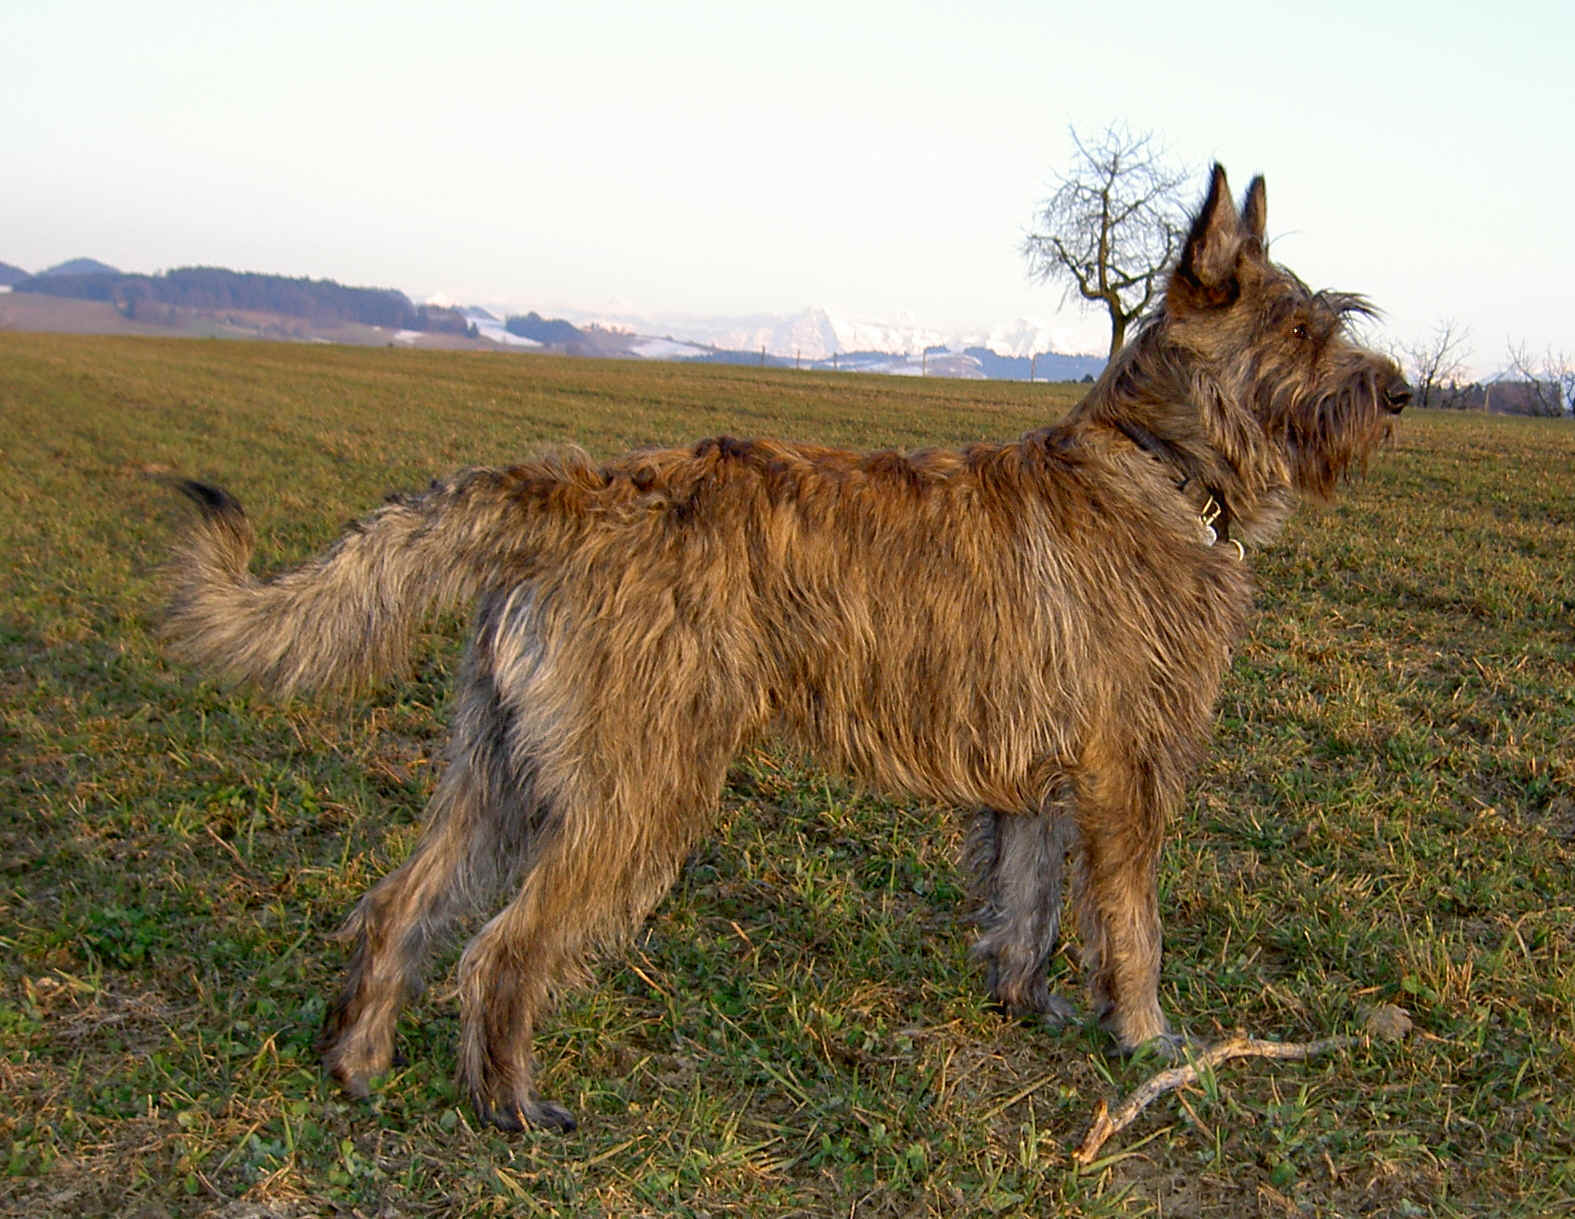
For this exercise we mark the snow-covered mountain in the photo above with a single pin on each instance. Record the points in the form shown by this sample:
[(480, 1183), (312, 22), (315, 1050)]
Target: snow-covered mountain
[(818, 334), (1020, 349)]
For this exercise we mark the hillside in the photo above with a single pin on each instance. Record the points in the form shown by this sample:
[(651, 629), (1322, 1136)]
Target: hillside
[(220, 302), (216, 289), (12, 275), (216, 301), (80, 266)]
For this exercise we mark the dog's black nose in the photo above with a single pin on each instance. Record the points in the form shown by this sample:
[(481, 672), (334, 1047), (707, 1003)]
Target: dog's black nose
[(1397, 396)]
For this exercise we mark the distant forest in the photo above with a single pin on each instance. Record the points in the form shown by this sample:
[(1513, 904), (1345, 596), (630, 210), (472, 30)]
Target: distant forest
[(214, 288), (553, 332)]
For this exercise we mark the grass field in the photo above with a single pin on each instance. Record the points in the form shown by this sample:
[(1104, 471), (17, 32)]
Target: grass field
[(1387, 816)]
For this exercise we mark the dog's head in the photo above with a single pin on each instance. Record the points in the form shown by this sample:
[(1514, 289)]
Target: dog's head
[(1270, 358)]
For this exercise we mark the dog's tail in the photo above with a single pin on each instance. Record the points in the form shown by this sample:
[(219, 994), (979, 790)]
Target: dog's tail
[(345, 618)]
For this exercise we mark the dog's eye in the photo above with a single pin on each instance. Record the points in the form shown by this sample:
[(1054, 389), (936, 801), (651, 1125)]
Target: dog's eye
[(1300, 331)]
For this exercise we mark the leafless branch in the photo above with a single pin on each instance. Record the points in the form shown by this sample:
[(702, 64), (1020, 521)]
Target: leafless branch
[(1108, 1122), (1385, 1022), (1111, 227), (1550, 382), (1435, 365)]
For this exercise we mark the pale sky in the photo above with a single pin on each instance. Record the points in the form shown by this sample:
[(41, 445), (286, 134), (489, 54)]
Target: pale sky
[(880, 159)]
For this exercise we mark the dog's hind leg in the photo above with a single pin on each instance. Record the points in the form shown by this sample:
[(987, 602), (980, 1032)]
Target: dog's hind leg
[(610, 847), (1019, 861), (477, 823)]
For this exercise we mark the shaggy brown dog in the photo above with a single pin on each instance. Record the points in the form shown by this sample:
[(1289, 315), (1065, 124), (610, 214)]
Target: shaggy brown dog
[(1037, 630)]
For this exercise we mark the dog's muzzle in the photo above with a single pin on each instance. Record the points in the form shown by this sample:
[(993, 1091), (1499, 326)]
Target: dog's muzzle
[(1397, 396)]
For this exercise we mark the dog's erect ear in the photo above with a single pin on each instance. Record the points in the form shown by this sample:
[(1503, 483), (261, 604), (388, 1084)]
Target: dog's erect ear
[(1208, 260), (1255, 211)]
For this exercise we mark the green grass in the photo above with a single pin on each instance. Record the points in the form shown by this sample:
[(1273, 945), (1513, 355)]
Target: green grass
[(1387, 815)]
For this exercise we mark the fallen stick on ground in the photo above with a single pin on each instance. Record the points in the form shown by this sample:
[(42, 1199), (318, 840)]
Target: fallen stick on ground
[(1108, 1122)]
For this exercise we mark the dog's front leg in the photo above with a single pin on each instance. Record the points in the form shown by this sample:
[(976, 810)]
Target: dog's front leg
[(1122, 805)]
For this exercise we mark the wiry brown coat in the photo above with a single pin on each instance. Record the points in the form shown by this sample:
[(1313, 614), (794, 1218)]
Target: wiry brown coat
[(1034, 630)]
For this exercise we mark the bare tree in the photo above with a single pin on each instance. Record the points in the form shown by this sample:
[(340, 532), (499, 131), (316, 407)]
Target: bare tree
[(1563, 368), (1435, 365), (1112, 226), (1550, 383)]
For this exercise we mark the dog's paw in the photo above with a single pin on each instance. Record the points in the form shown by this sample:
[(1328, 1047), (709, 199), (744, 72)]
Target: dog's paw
[(513, 1116), (355, 1074), (1037, 1005), (1169, 1048), (1057, 1011)]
